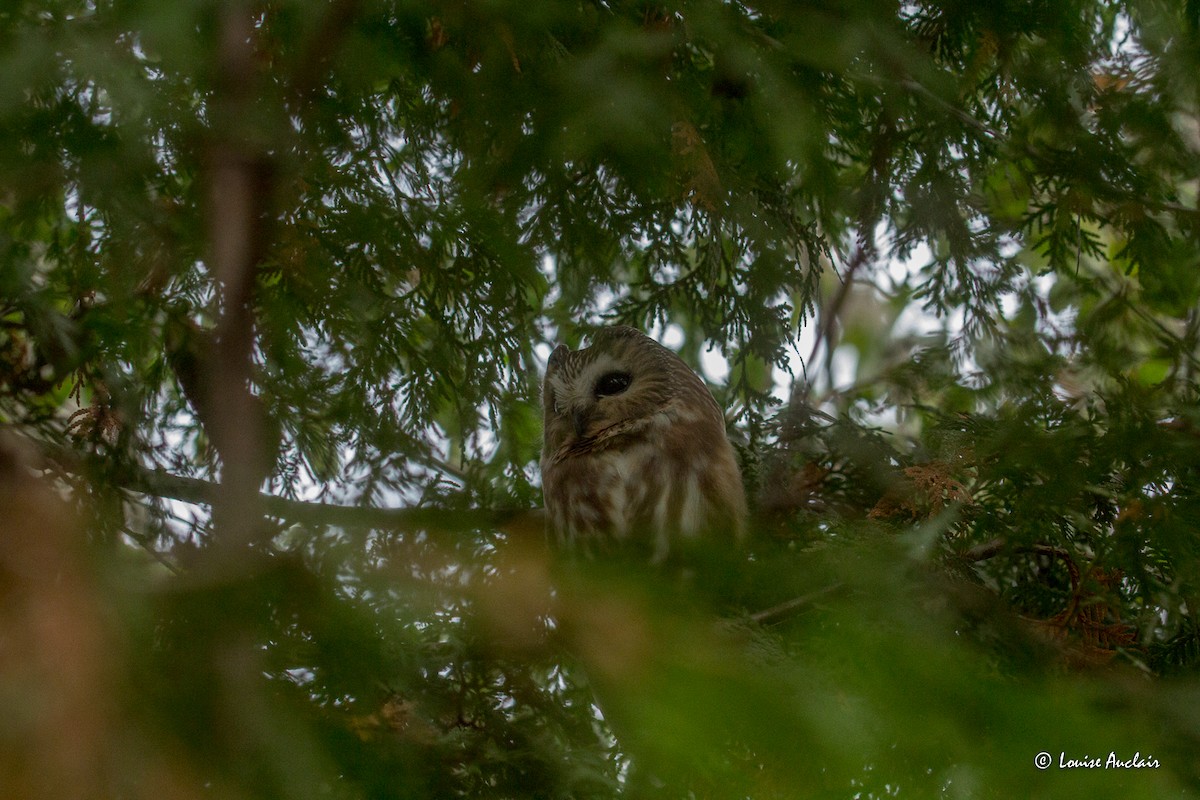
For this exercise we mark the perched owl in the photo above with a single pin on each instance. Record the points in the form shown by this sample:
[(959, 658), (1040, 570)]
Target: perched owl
[(635, 448)]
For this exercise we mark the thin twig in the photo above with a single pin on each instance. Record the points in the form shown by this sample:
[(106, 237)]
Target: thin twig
[(830, 313), (143, 543), (795, 604), (982, 552)]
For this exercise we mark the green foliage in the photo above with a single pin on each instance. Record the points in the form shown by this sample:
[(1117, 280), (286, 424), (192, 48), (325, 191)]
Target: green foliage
[(320, 249)]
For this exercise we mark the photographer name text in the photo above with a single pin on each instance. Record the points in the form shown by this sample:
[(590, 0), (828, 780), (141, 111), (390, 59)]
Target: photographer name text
[(1044, 760)]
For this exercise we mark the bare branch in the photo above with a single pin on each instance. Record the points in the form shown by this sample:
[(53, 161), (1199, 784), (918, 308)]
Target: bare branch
[(786, 608), (165, 485)]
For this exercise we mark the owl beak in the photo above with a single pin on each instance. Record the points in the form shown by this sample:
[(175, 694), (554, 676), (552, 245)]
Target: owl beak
[(581, 418)]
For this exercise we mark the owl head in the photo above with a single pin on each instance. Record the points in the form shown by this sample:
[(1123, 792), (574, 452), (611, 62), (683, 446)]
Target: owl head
[(614, 387)]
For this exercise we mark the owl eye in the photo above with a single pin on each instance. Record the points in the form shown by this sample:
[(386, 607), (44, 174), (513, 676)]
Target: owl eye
[(613, 383)]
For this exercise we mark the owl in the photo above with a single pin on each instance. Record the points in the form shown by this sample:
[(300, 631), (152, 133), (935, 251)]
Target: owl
[(634, 448)]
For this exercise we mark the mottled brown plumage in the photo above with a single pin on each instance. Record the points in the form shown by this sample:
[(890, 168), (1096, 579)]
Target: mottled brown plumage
[(635, 448)]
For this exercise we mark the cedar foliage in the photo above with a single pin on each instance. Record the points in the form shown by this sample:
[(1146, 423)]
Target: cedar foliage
[(321, 249)]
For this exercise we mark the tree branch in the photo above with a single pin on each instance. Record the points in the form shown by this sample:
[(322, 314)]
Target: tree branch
[(158, 483), (795, 604)]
